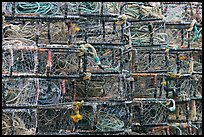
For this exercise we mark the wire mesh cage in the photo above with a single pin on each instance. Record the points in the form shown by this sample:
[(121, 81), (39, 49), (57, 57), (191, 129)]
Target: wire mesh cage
[(148, 33), (181, 113), (18, 56), (101, 68), (110, 60), (150, 61), (18, 91), (61, 8), (198, 110), (183, 37), (32, 8), (53, 120), (98, 118), (18, 122), (58, 62), (188, 88), (112, 117), (142, 10), (186, 10), (98, 89), (146, 87), (91, 30), (196, 61), (149, 112), (187, 111), (111, 7), (19, 30), (180, 62), (48, 91)]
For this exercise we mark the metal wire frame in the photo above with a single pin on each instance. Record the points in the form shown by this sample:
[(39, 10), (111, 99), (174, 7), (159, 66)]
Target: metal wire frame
[(19, 30), (141, 11), (16, 8), (6, 58), (157, 9), (148, 33), (52, 91), (111, 7), (146, 87), (49, 92), (18, 122), (62, 63), (18, 91), (158, 130), (112, 117), (179, 65), (60, 32), (193, 127), (178, 37), (31, 91), (100, 88), (15, 59), (182, 111), (197, 64), (188, 88), (94, 30), (26, 59), (147, 111), (174, 61), (52, 120), (186, 11), (12, 43), (127, 60), (53, 9), (66, 63), (187, 111), (110, 58), (73, 8), (96, 118), (96, 87), (175, 128), (61, 8), (198, 110), (182, 128), (150, 61)]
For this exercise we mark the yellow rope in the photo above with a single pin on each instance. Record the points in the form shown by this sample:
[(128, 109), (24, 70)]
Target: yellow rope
[(122, 19), (191, 25), (76, 106), (87, 76), (193, 110)]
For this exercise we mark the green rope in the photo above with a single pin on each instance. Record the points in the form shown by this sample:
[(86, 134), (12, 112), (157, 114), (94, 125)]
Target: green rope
[(109, 122), (196, 33), (90, 7), (41, 8)]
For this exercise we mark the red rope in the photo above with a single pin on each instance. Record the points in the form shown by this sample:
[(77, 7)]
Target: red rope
[(155, 79), (63, 87), (49, 58), (37, 92), (74, 90), (70, 28), (49, 62), (167, 131)]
